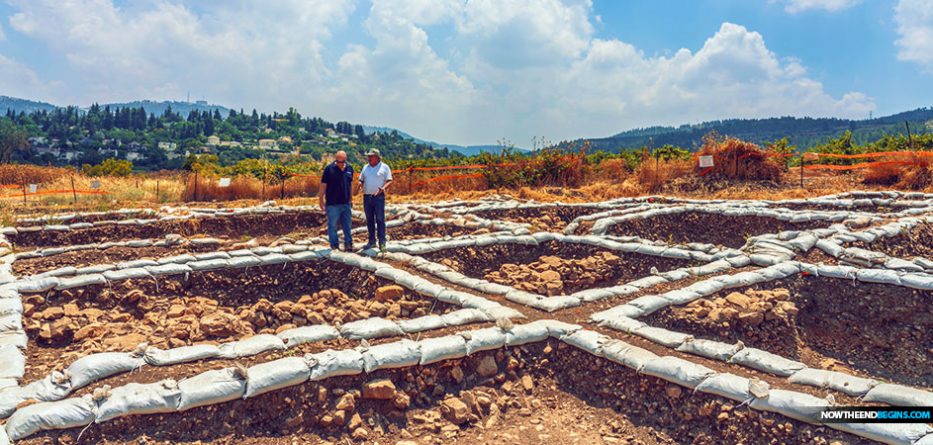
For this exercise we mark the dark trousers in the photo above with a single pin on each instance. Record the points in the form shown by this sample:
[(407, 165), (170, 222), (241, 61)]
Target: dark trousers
[(375, 209)]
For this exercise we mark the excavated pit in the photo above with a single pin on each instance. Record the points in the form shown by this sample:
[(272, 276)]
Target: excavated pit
[(541, 267), (214, 306), (915, 242), (875, 330), (230, 226), (711, 228), (550, 218), (524, 395)]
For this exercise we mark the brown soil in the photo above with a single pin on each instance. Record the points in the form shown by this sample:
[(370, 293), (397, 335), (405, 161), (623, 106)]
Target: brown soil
[(208, 306), (87, 219), (702, 227), (232, 226), (551, 218), (478, 262), (916, 242), (534, 395), (413, 230), (877, 330)]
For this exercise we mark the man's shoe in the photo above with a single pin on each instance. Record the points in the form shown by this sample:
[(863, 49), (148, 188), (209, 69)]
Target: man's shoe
[(369, 246), (348, 247)]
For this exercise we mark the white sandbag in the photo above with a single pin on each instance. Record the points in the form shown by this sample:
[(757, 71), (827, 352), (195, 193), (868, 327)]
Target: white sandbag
[(878, 276), (589, 341), (420, 324), (626, 354), (80, 281), (54, 386), (437, 349), (726, 385), (464, 316), (11, 322), (9, 306), (168, 269), (277, 374), (620, 323), (899, 395), (796, 405), (211, 387), (709, 348), (37, 285), (526, 333), (183, 354), (178, 259), (400, 354), (251, 346), (208, 256), (91, 368), (551, 304), (917, 281), (334, 363), (69, 413), (308, 334), (244, 261), (374, 327), (648, 304), (218, 263), (677, 370), (662, 336), (16, 338), (766, 361), (890, 433), (557, 329), (12, 362), (4, 438), (11, 397), (821, 378), (136, 264), (274, 258), (125, 274), (484, 339), (137, 399)]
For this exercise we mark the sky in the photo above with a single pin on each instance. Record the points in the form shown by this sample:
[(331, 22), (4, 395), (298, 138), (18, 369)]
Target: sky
[(480, 71)]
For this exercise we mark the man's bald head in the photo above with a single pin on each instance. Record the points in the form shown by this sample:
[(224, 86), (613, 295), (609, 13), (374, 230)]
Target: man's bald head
[(341, 155)]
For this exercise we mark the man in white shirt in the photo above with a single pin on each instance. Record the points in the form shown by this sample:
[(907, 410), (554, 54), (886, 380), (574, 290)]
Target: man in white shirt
[(375, 178)]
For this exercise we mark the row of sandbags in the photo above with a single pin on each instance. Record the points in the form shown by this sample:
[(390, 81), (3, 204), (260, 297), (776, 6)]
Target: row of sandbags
[(12, 336), (835, 246), (553, 303), (222, 385), (623, 318), (94, 367), (169, 240), (601, 226), (65, 217)]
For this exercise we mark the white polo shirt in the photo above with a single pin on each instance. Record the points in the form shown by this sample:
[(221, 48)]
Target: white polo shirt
[(373, 178)]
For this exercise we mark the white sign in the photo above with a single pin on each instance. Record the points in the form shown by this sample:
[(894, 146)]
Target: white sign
[(95, 184), (32, 188), (706, 161), (224, 182)]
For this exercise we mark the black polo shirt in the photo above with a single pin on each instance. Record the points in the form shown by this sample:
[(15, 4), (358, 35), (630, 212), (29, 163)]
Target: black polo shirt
[(339, 184)]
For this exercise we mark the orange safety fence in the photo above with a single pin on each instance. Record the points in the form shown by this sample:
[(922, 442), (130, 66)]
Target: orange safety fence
[(879, 154), (855, 166)]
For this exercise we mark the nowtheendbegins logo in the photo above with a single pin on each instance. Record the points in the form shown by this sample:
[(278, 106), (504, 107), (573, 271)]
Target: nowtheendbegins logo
[(875, 414)]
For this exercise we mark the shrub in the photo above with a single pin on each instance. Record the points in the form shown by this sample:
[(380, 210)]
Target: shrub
[(109, 167)]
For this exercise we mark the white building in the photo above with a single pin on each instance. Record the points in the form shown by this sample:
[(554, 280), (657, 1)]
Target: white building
[(168, 146)]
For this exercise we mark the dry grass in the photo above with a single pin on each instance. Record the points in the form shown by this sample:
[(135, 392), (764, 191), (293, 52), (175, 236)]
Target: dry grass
[(18, 174), (242, 187), (918, 175), (735, 159)]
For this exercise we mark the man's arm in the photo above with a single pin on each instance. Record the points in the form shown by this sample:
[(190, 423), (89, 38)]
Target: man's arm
[(388, 181), (321, 191)]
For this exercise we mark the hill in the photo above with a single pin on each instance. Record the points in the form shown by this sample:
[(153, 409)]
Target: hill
[(23, 105), (803, 132), (466, 150)]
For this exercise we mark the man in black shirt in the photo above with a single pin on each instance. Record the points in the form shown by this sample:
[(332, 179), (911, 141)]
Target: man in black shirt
[(334, 199)]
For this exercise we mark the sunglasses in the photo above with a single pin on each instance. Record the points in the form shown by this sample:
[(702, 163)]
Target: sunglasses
[(341, 162)]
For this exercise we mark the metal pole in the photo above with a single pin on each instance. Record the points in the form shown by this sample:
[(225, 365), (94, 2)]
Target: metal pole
[(910, 139), (74, 193), (411, 171), (283, 189), (24, 192), (157, 190), (195, 185)]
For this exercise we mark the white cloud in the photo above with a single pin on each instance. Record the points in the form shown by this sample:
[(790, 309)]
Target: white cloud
[(449, 70), (18, 80), (914, 20), (795, 6), (2, 35), (246, 52)]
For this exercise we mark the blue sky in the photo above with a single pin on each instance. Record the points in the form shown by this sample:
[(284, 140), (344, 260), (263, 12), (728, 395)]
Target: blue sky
[(478, 71)]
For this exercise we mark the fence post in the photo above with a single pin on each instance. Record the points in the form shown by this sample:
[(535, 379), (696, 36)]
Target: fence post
[(195, 185), (282, 194), (24, 192), (157, 190), (411, 172), (74, 193)]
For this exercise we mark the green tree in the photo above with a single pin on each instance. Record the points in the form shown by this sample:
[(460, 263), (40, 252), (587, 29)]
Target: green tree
[(12, 140), (109, 167)]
